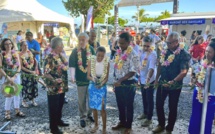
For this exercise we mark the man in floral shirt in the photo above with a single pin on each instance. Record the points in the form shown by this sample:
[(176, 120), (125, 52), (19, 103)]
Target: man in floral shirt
[(126, 66), (173, 67)]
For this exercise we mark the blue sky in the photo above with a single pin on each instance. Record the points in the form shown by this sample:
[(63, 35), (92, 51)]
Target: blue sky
[(153, 10)]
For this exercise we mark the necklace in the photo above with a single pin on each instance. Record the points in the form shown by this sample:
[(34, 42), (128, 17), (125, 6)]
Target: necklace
[(27, 64), (120, 58), (93, 68), (80, 63), (9, 60), (62, 63), (145, 59), (171, 57), (200, 75)]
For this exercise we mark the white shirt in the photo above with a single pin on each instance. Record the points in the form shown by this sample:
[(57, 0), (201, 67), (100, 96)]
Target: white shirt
[(155, 38), (205, 36), (99, 68), (151, 64)]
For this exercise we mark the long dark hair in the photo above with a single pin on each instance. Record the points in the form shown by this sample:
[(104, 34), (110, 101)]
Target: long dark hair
[(3, 41), (212, 44)]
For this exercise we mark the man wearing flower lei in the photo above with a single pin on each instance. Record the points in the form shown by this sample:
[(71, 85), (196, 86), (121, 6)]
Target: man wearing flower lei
[(10, 69), (92, 41), (173, 67), (56, 79), (200, 72), (148, 61), (78, 67), (126, 66)]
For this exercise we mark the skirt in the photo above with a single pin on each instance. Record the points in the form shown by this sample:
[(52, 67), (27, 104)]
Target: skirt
[(195, 119), (97, 96)]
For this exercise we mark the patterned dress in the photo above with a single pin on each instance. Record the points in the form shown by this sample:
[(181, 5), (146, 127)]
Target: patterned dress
[(56, 66), (29, 83), (97, 95)]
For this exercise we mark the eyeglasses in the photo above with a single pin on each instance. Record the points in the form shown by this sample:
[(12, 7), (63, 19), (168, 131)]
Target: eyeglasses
[(170, 43), (146, 46)]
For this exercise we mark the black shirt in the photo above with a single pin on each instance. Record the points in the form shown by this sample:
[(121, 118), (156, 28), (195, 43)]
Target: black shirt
[(180, 62)]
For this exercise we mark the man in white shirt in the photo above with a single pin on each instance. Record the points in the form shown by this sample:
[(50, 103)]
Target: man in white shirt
[(205, 36), (148, 61), (155, 40)]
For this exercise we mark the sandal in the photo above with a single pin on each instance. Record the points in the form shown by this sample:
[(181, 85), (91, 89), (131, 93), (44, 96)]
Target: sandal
[(19, 113), (93, 130), (7, 115), (34, 103), (24, 104)]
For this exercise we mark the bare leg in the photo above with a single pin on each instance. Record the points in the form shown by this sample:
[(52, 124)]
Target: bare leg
[(104, 118), (95, 115)]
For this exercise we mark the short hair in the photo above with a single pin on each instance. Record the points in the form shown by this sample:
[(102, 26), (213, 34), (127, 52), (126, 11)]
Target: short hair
[(83, 34), (209, 35), (174, 35), (153, 30), (19, 32), (101, 49), (92, 31), (28, 34), (22, 42), (56, 41), (3, 41), (199, 32), (50, 38), (148, 39), (183, 32), (125, 36)]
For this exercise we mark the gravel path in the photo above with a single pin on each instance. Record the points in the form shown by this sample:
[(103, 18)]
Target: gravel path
[(37, 121)]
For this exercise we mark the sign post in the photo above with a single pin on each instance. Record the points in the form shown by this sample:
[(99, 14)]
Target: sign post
[(205, 99)]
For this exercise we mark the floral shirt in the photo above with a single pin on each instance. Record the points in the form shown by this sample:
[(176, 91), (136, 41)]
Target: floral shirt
[(130, 65), (57, 67)]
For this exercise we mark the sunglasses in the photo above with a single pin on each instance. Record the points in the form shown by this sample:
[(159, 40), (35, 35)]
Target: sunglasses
[(170, 43)]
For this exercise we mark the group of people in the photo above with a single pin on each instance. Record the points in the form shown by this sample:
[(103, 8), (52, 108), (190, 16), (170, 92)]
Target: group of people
[(152, 62)]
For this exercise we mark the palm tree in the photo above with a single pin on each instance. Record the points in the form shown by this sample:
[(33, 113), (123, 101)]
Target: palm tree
[(165, 14), (142, 15)]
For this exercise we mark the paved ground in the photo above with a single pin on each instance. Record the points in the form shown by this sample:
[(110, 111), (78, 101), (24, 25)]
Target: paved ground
[(37, 121)]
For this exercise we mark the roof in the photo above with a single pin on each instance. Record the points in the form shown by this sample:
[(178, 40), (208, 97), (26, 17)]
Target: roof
[(124, 3), (189, 16), (29, 10)]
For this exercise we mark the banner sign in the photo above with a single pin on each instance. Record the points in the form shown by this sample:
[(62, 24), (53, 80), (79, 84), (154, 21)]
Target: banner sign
[(213, 20), (51, 24), (89, 18), (183, 22)]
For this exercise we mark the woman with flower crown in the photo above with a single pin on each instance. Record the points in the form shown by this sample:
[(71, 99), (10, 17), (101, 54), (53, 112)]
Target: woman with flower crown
[(98, 70), (28, 66), (148, 61), (10, 69), (200, 72)]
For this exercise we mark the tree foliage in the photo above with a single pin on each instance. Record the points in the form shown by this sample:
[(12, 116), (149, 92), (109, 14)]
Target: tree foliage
[(142, 15), (121, 21), (99, 20), (78, 7), (165, 14)]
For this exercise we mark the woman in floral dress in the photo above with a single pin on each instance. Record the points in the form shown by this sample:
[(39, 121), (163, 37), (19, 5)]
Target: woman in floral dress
[(98, 70), (29, 83), (10, 70)]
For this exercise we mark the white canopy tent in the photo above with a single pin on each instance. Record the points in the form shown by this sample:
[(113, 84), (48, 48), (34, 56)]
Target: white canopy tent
[(30, 14)]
